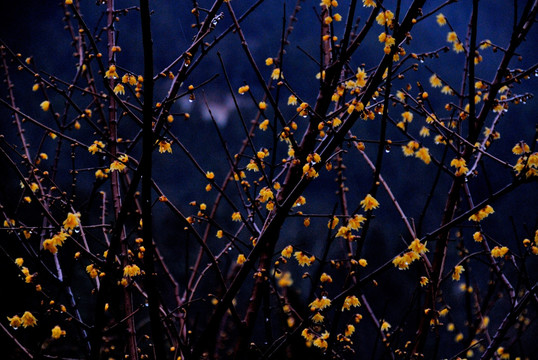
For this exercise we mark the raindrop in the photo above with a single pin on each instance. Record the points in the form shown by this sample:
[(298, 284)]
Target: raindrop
[(230, 248), (266, 319), (387, 149), (15, 327), (422, 61), (305, 116), (77, 230)]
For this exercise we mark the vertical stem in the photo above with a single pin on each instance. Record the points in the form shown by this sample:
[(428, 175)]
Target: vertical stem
[(150, 276)]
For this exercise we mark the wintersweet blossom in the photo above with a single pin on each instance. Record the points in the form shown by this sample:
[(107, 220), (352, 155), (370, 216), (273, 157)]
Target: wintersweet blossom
[(28, 319), (287, 251), (45, 105), (72, 221), (15, 321), (241, 259), (385, 326), (441, 19), (236, 216), (131, 270), (482, 213), (369, 203), (111, 72), (303, 259), (350, 301), (57, 332), (435, 81), (458, 269), (498, 252), (320, 303)]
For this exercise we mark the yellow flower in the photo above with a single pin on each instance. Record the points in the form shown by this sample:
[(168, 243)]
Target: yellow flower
[(337, 17), (119, 165), (318, 318), (401, 262), (350, 301), (458, 269), (119, 89), (241, 259), (363, 262), (418, 247), (369, 3), (355, 222), (369, 203), (452, 37), (262, 105), (326, 278), (482, 213), (219, 234), (57, 332), (321, 343), (424, 281), (68, 2), (72, 220), (520, 148), (446, 90), (15, 321), (243, 89), (441, 19), (477, 236), (333, 222), (385, 326), (407, 116), (424, 155), (275, 75), (265, 195), (320, 304), (292, 100), (285, 279), (111, 72), (28, 319), (131, 270), (59, 238), (307, 334), (45, 105), (288, 250), (236, 216), (210, 175), (458, 47), (435, 81), (499, 251), (269, 61), (19, 261), (264, 124), (252, 166), (385, 18), (424, 131), (303, 259), (165, 146), (96, 146)]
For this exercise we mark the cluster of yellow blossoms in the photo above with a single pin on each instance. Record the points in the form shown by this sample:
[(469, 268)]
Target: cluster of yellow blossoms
[(416, 248)]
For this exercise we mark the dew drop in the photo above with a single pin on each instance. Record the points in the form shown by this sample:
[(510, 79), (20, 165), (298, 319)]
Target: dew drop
[(230, 248), (77, 230), (422, 61)]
